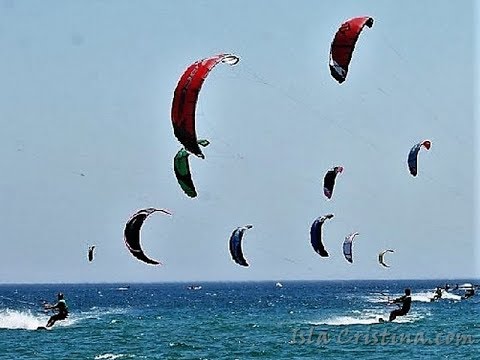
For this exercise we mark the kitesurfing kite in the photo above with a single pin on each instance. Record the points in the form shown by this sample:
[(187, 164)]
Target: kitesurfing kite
[(316, 235), (182, 170), (235, 245), (343, 45), (90, 252), (413, 155), (382, 255), (132, 234), (186, 96), (347, 246), (329, 180)]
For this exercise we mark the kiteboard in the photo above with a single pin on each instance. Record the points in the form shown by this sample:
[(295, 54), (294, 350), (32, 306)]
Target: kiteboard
[(43, 328)]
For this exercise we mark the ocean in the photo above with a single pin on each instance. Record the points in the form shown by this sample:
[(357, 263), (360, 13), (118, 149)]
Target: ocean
[(244, 320)]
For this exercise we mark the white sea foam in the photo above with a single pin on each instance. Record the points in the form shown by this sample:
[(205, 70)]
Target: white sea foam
[(428, 296), (28, 320), (450, 296), (369, 317), (14, 319), (108, 356), (424, 296)]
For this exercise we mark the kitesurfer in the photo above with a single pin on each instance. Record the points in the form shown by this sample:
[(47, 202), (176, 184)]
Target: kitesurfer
[(469, 293), (438, 293), (406, 301), (62, 308)]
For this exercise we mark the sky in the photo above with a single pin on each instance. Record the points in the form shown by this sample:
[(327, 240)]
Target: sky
[(85, 96)]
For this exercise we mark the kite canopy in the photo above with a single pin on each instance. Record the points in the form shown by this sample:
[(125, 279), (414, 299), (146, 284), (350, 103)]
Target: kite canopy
[(132, 234), (343, 44), (185, 99), (235, 245), (381, 256), (316, 235), (347, 246), (182, 170), (329, 180), (90, 252), (413, 155)]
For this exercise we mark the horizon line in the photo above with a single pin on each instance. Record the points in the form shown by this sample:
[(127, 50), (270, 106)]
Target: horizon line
[(234, 281)]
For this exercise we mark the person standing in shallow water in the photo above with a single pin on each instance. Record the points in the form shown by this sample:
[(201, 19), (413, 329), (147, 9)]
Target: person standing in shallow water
[(406, 302), (62, 308)]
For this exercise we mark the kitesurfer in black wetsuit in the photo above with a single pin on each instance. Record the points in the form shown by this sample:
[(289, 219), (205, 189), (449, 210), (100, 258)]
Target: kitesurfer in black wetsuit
[(406, 302), (62, 308), (438, 294), (469, 293)]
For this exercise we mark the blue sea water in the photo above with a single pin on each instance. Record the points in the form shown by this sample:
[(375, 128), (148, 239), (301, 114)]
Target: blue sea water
[(248, 320)]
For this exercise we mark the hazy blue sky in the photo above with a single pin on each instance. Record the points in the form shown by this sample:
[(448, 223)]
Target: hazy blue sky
[(86, 88)]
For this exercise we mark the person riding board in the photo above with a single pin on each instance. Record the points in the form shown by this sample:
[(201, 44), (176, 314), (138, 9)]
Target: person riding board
[(406, 302), (469, 293), (62, 308), (438, 293)]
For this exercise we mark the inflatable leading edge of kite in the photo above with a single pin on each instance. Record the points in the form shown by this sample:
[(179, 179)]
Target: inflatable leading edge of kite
[(347, 246), (185, 99), (316, 235), (90, 252), (235, 245), (343, 44), (132, 234), (413, 155), (329, 180), (381, 257), (181, 168)]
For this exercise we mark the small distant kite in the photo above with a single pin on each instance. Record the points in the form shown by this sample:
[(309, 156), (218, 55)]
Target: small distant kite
[(343, 44), (235, 245), (90, 252), (347, 246), (132, 234), (182, 170), (185, 99), (381, 257), (329, 180), (316, 235), (413, 155)]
